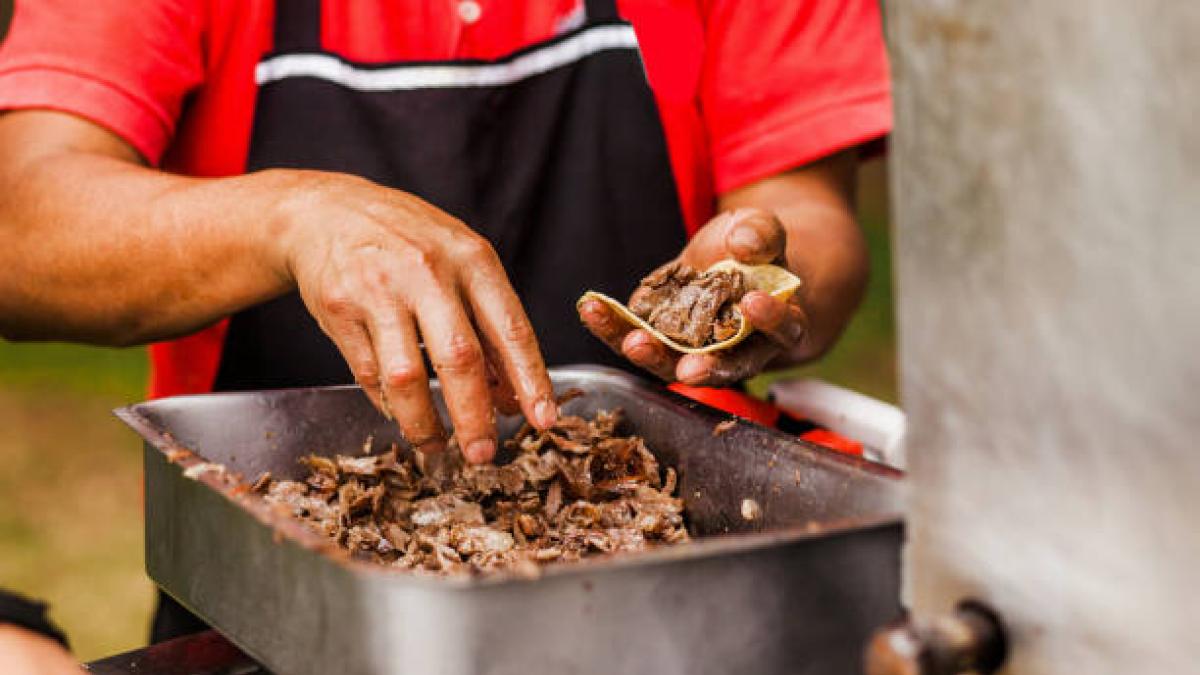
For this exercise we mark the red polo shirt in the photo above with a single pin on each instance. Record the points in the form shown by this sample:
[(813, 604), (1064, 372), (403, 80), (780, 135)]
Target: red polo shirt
[(746, 89)]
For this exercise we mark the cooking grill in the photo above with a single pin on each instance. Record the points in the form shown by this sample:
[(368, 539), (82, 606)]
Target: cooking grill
[(798, 589)]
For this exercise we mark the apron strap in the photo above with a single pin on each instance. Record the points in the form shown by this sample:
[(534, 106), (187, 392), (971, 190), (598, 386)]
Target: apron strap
[(600, 10), (297, 26)]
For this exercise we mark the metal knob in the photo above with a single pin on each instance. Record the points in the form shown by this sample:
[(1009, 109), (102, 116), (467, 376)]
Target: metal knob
[(971, 640)]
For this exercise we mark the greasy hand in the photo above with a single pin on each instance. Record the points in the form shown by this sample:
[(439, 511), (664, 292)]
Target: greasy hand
[(24, 652), (748, 235), (382, 271)]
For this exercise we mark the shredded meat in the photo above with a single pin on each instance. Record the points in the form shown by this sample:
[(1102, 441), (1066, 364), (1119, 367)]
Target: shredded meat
[(690, 307), (722, 427), (574, 491)]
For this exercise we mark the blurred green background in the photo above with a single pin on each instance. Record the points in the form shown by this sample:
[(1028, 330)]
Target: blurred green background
[(70, 491), (865, 358)]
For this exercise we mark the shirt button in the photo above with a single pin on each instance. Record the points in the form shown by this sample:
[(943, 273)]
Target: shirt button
[(469, 11)]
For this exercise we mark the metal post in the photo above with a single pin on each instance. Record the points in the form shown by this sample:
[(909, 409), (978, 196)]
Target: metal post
[(1046, 182)]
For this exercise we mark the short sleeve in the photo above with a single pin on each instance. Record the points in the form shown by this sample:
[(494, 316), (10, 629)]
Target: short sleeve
[(786, 83), (127, 65)]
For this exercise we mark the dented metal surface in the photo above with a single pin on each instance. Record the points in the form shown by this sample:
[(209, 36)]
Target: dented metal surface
[(795, 590)]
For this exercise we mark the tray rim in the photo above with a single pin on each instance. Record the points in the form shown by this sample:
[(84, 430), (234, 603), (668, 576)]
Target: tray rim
[(292, 532)]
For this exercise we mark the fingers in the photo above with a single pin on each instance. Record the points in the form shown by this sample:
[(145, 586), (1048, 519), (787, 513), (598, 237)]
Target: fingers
[(404, 380), (604, 323), (353, 341), (510, 337), (781, 327), (504, 397), (633, 343), (721, 368), (642, 348), (457, 357), (784, 322), (385, 357), (431, 276)]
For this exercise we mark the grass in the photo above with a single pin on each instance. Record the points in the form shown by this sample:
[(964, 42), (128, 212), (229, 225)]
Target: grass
[(70, 493), (87, 371)]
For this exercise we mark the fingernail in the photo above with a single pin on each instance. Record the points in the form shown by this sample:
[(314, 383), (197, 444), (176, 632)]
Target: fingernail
[(695, 369), (746, 239), (594, 318), (480, 451), (545, 413), (641, 352), (690, 369)]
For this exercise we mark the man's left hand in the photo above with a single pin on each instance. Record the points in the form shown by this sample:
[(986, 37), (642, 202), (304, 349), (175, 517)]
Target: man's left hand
[(748, 235)]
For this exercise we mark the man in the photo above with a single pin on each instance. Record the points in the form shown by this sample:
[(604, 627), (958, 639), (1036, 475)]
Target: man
[(304, 192)]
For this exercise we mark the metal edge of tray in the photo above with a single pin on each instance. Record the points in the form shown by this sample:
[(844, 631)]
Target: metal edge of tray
[(232, 487)]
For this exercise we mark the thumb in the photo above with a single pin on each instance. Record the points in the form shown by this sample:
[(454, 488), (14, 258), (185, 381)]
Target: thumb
[(754, 236), (747, 235)]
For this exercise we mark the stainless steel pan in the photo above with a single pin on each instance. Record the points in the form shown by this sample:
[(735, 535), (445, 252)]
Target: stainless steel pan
[(796, 591)]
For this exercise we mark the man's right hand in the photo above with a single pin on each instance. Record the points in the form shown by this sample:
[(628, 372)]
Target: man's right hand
[(99, 248), (383, 271)]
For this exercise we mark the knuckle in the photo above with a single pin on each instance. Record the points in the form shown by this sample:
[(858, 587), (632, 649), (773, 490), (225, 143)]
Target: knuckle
[(516, 330), (421, 257), (404, 375), (382, 278), (382, 211), (598, 319), (367, 377), (461, 354), (338, 303), (794, 332), (322, 185), (476, 248)]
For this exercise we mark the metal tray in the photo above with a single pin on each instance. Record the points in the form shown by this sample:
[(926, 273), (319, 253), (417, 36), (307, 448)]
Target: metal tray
[(796, 591)]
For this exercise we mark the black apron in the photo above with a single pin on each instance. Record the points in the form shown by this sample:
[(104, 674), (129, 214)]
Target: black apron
[(555, 153)]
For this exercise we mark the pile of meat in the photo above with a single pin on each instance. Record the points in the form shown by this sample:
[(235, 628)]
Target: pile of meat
[(577, 490), (690, 307)]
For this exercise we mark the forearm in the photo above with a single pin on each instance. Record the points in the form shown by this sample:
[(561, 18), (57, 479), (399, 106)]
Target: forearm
[(100, 249), (825, 246)]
